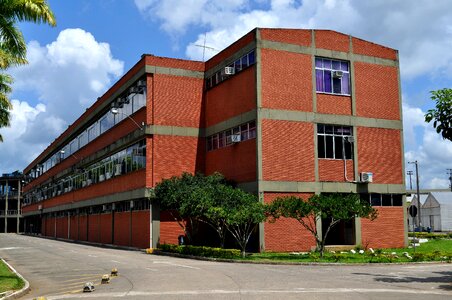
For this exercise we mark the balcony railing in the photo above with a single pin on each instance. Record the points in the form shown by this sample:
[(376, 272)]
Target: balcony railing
[(12, 212)]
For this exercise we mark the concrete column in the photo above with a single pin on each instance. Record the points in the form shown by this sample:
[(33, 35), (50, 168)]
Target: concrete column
[(19, 211), (6, 207)]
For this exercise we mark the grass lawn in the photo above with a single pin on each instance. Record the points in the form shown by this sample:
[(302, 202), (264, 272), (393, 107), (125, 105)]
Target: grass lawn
[(433, 250), (8, 280)]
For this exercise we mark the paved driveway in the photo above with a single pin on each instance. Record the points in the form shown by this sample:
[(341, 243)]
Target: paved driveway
[(58, 270)]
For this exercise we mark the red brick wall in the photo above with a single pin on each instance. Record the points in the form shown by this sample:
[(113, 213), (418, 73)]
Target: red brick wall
[(140, 229), (122, 228), (236, 162), (286, 80), (333, 170), (177, 100), (334, 104), (386, 231), (332, 40), (371, 49), (232, 97), (82, 228), (174, 155), (167, 62), (94, 228), (74, 228), (287, 151), (289, 36), (105, 228), (377, 91), (286, 234), (379, 152), (169, 229), (62, 227)]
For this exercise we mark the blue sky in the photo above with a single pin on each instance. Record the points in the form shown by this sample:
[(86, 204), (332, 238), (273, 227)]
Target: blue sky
[(96, 41)]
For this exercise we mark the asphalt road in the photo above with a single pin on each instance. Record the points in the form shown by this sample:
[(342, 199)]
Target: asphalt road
[(58, 270)]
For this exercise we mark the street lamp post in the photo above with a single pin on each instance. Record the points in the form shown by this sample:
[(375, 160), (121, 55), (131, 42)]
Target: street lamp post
[(410, 173), (417, 192)]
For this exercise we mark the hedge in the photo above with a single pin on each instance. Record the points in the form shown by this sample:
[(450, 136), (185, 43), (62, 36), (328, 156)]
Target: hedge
[(200, 251)]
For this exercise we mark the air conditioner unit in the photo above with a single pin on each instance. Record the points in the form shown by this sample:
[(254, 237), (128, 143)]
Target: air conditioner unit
[(141, 83), (337, 74), (366, 177), (228, 71), (134, 90), (234, 138)]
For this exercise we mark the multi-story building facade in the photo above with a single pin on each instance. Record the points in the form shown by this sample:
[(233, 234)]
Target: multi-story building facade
[(280, 111), (10, 202)]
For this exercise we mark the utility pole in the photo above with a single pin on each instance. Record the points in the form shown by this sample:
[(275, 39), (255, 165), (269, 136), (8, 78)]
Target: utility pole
[(409, 173), (417, 192), (449, 171)]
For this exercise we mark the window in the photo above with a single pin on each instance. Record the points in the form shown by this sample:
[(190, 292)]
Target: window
[(334, 141), (383, 199), (332, 76), (239, 65), (222, 139)]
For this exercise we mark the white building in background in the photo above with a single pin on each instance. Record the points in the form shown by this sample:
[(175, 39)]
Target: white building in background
[(436, 212), (412, 200)]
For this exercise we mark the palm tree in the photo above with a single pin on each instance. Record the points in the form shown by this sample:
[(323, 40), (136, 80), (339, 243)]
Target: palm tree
[(13, 50)]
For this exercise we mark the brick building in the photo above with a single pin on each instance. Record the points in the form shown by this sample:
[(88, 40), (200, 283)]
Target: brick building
[(10, 202), (280, 111)]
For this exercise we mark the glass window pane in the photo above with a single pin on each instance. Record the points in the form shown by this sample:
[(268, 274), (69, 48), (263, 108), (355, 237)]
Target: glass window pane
[(329, 147), (345, 83), (251, 58), (221, 141), (344, 66), (386, 200), (244, 62), (375, 199), (318, 62), (337, 85), (321, 146), (348, 150), (238, 66), (320, 128), (320, 86), (328, 129), (338, 143), (397, 200), (336, 65), (327, 63), (327, 81)]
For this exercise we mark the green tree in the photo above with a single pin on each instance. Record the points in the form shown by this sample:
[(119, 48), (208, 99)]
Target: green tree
[(13, 50), (332, 207), (441, 115), (213, 201), (243, 214)]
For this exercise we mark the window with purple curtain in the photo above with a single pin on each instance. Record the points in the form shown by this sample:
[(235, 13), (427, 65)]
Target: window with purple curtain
[(332, 76)]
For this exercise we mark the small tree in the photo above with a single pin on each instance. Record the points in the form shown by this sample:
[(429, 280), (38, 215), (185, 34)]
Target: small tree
[(442, 113), (243, 213), (185, 199), (335, 207)]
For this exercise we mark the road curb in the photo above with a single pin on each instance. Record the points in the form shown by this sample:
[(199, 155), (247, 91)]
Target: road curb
[(288, 263), (20, 292)]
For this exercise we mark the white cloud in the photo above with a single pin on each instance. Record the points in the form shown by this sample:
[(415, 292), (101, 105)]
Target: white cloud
[(433, 154), (67, 76), (422, 32)]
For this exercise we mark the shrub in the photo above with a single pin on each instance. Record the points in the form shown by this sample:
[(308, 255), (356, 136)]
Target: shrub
[(200, 251)]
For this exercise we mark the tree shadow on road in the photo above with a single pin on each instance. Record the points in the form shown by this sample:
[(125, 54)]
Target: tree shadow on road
[(444, 277)]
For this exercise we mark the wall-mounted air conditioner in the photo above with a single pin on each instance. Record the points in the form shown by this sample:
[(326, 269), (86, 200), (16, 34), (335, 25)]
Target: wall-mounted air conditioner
[(366, 177), (337, 74), (233, 138), (228, 71)]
